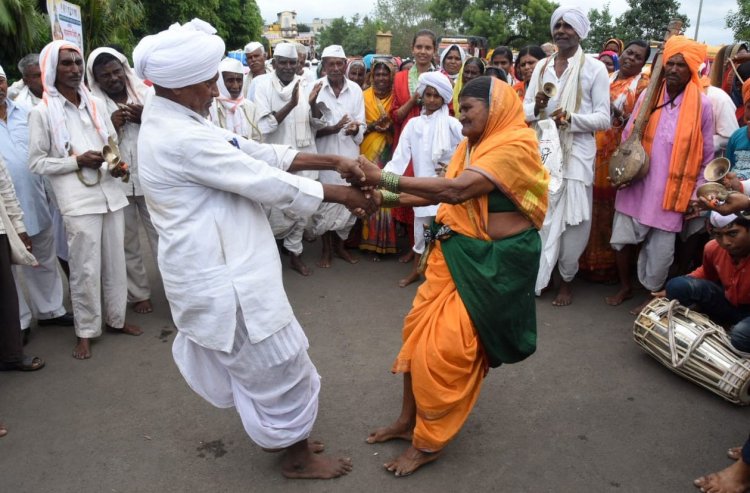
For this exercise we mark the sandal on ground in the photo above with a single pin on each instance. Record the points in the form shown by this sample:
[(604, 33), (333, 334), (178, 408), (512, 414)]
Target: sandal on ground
[(28, 363)]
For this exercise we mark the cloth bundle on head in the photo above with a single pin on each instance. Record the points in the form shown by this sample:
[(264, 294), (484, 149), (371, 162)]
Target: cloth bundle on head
[(285, 50), (438, 139), (181, 56), (719, 221), (253, 46), (136, 88), (48, 60), (618, 42), (574, 16), (687, 149), (333, 51)]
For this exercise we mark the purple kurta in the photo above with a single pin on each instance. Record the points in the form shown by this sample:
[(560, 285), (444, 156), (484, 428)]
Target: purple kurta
[(643, 199)]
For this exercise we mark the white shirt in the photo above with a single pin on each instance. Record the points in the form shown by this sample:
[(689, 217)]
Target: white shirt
[(12, 207), (73, 197), (216, 248), (349, 102), (592, 115), (411, 148), (725, 120), (221, 117)]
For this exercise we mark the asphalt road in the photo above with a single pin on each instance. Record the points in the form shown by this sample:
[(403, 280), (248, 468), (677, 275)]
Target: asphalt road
[(589, 412)]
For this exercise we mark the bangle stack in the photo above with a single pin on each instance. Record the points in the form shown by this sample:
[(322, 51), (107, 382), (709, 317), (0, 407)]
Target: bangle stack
[(389, 181), (390, 199)]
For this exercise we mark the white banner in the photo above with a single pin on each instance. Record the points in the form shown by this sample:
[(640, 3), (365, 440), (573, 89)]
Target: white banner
[(65, 19)]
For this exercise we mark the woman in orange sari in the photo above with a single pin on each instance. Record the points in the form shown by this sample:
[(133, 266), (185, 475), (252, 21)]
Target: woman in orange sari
[(598, 260), (379, 230), (476, 308)]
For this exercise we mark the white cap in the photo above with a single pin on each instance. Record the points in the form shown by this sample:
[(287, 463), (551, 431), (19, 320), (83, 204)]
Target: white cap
[(2, 72), (286, 50), (254, 45), (333, 51), (719, 221), (231, 65)]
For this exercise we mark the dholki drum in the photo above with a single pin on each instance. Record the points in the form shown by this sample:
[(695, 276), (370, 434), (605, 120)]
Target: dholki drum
[(689, 344)]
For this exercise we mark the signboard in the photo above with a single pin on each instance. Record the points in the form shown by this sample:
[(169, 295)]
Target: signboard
[(65, 19)]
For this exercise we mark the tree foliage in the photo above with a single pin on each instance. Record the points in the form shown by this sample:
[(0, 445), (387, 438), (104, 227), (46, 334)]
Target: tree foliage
[(108, 22), (404, 18), (23, 29), (509, 22), (739, 20), (602, 29), (357, 36), (648, 19)]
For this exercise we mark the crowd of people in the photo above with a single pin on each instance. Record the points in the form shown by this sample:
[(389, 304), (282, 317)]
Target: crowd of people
[(226, 165)]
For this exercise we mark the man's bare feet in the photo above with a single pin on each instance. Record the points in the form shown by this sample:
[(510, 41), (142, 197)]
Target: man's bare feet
[(564, 295), (295, 261), (131, 330), (82, 349), (411, 460), (325, 261), (394, 431), (412, 277), (144, 306), (623, 294), (638, 309), (407, 257), (734, 453), (299, 462), (327, 251), (339, 249), (733, 479), (315, 446)]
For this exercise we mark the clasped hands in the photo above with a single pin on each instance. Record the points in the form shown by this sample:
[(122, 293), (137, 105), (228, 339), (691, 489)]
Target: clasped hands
[(364, 176)]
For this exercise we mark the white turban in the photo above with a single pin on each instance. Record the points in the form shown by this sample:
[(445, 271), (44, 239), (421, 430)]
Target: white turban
[(286, 50), (136, 88), (2, 72), (61, 139), (574, 16), (181, 56), (719, 221), (228, 65), (254, 45), (333, 51), (439, 81)]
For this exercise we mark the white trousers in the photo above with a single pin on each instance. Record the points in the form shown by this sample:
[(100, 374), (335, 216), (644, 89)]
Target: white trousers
[(97, 266), (273, 384), (138, 287), (420, 224), (43, 283), (332, 217), (657, 252), (286, 228)]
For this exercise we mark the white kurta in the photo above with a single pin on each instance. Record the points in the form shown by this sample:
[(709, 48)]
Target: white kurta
[(725, 120), (412, 147), (222, 117), (216, 248)]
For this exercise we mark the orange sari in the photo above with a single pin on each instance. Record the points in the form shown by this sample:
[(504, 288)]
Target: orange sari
[(598, 260), (441, 348)]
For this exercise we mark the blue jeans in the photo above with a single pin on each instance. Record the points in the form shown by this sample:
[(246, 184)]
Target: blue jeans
[(710, 296)]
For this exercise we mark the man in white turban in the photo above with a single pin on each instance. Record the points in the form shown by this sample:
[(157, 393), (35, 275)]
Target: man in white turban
[(344, 111), (112, 80), (231, 110), (428, 142), (288, 115), (255, 57), (239, 343), (579, 108), (67, 132)]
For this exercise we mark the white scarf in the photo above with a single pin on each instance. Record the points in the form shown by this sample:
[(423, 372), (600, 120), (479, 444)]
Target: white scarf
[(54, 100), (134, 86), (301, 113), (437, 142)]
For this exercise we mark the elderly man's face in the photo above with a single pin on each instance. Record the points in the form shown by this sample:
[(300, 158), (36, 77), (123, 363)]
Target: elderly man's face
[(565, 36), (69, 70), (334, 68), (111, 77), (677, 73), (233, 83), (32, 77), (301, 59), (256, 61), (285, 67), (198, 97), (3, 90)]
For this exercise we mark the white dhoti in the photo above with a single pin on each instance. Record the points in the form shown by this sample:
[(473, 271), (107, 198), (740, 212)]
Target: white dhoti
[(286, 228), (273, 384), (58, 225), (43, 283), (330, 216), (565, 231), (138, 287), (97, 266), (657, 252)]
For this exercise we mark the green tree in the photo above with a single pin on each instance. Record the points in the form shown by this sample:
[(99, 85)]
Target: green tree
[(108, 22), (739, 20), (602, 29), (404, 18), (648, 19), (23, 30), (303, 28), (356, 36)]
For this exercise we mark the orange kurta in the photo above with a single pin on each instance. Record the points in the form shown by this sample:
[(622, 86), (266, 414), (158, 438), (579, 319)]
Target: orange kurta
[(441, 348)]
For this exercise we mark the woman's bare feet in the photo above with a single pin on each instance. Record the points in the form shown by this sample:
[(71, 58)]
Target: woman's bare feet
[(295, 261), (82, 349), (144, 306), (623, 294), (734, 453), (299, 462), (397, 430), (733, 479), (412, 277), (131, 330), (411, 460), (564, 295), (407, 257)]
